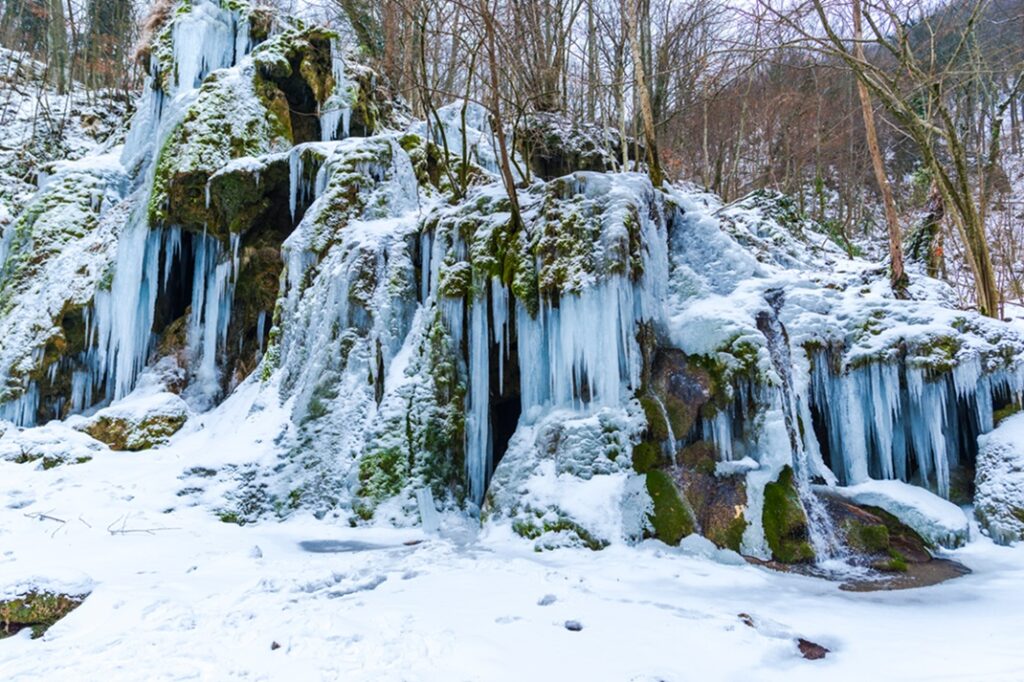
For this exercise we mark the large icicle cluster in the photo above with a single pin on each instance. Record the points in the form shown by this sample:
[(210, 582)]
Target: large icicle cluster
[(570, 288)]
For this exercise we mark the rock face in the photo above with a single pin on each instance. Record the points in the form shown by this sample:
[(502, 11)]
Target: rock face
[(999, 500), (940, 523), (624, 362)]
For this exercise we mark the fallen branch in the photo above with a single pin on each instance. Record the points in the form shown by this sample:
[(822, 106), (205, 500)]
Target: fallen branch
[(124, 530)]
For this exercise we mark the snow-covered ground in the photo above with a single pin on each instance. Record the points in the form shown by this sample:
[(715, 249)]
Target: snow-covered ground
[(177, 594)]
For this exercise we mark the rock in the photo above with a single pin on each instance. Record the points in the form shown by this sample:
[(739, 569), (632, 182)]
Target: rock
[(810, 650), (718, 501), (138, 422), (49, 446), (999, 485), (671, 518), (35, 610), (556, 145), (682, 387), (876, 537), (573, 625), (785, 521), (938, 522)]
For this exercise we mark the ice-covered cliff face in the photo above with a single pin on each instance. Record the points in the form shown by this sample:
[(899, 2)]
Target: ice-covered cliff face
[(627, 362)]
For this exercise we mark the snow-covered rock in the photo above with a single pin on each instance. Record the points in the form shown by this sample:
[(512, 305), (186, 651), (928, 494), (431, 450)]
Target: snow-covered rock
[(142, 420), (48, 446), (999, 497), (939, 522)]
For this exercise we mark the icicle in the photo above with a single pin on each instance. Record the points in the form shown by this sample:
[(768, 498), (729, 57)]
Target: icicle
[(261, 328), (478, 428), (430, 520), (294, 177), (23, 410), (123, 315), (337, 108), (499, 308), (204, 40)]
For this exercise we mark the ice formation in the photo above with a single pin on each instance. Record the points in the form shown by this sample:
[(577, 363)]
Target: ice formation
[(432, 354)]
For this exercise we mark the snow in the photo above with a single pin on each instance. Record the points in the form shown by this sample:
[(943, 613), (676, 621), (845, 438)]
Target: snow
[(208, 599), (999, 498), (939, 522)]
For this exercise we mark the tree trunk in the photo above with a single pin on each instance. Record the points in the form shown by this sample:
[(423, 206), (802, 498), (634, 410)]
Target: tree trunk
[(898, 275), (498, 123), (57, 46), (643, 95)]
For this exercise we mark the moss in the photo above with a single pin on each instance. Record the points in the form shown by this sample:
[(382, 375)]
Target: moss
[(867, 538), (733, 536), (937, 354), (645, 457), (227, 516), (552, 529), (671, 519), (785, 522), (124, 434), (896, 563), (382, 474), (656, 425), (1004, 412), (526, 529), (35, 610)]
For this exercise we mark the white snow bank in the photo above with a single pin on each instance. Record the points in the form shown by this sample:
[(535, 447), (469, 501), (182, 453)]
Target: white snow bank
[(938, 521), (999, 497), (49, 445)]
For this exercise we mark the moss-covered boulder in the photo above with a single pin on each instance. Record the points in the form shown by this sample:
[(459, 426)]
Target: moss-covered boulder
[(138, 424), (36, 611), (875, 537), (671, 518), (53, 257), (785, 521)]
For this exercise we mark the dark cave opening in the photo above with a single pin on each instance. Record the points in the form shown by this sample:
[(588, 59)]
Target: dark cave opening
[(505, 399)]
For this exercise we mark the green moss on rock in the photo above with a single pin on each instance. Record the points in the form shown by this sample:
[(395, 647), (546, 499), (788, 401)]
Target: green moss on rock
[(671, 519), (645, 457), (123, 433), (785, 522), (36, 611)]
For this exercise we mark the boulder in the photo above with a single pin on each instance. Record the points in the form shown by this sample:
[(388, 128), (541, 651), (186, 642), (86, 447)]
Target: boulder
[(939, 522), (138, 422)]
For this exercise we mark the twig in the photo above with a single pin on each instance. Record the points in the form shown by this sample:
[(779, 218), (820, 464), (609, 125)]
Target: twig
[(123, 530)]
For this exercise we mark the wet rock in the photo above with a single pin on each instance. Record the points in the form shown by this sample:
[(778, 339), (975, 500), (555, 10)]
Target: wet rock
[(785, 521), (718, 501), (810, 650), (682, 387)]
